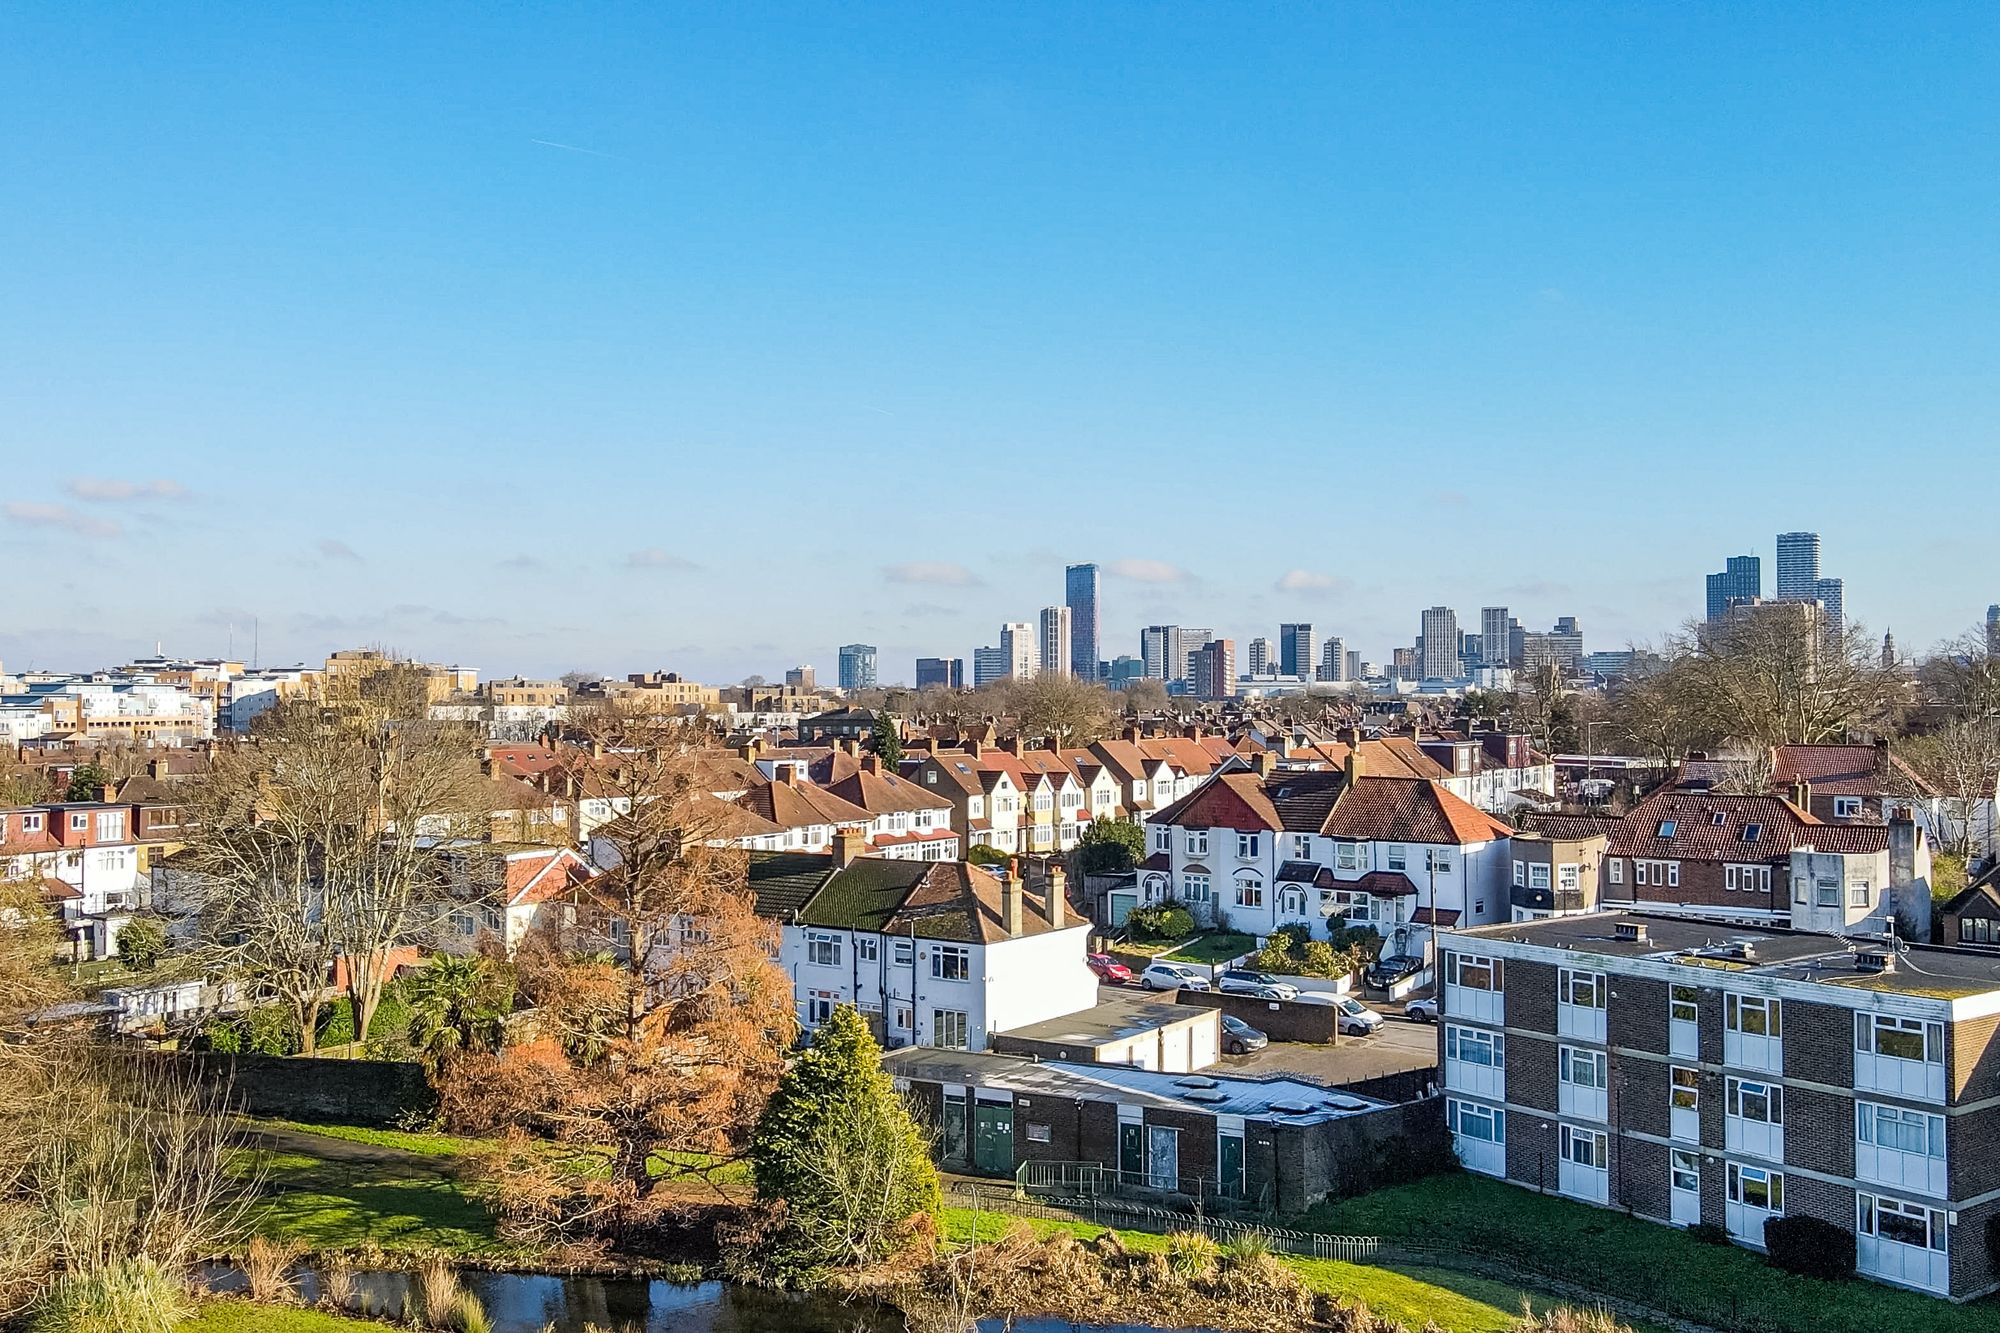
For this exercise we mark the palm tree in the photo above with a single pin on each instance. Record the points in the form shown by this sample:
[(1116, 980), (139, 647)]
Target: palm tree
[(457, 1004)]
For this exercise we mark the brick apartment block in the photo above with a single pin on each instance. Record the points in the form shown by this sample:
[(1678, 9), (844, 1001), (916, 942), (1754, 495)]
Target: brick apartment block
[(1695, 1071)]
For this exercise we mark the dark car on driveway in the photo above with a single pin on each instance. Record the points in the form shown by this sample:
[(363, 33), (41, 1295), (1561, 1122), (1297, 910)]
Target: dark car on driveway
[(1239, 1038), (1386, 972), (1109, 970)]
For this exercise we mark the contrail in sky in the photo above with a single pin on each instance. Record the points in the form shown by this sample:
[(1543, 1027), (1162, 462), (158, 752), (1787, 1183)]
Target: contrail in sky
[(569, 147)]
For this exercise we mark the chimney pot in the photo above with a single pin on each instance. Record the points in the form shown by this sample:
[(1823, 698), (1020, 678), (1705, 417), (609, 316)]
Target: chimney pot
[(849, 846)]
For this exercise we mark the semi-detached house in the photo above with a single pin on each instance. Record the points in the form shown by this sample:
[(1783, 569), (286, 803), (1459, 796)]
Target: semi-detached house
[(1691, 1074), (1258, 847), (932, 953)]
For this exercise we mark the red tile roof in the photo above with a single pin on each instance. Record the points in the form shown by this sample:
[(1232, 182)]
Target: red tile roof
[(1409, 810), (1844, 770), (1710, 826)]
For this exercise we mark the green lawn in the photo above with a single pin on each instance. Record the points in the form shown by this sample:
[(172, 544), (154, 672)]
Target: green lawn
[(1722, 1285), (1214, 948), (423, 1145), (327, 1204), (231, 1316), (1415, 1295)]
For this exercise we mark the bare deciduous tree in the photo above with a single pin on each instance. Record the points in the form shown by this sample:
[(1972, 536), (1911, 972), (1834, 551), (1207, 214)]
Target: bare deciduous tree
[(330, 818)]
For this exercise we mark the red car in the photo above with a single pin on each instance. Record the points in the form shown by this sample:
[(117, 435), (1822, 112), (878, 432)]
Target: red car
[(1109, 969)]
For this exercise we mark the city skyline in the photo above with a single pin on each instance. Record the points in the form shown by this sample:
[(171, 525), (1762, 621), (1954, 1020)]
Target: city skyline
[(349, 352)]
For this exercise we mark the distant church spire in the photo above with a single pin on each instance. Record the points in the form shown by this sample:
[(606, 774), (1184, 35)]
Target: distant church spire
[(1888, 650)]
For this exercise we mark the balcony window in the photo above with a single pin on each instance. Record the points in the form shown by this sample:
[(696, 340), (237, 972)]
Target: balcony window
[(1903, 1057), (1900, 1147), (1475, 1061), (1582, 1080), (1479, 1135), (1684, 1104), (1901, 1242), (1753, 1196), (1752, 1032), (1754, 1118), (1473, 988), (1585, 1159), (1684, 1188), (1580, 1004)]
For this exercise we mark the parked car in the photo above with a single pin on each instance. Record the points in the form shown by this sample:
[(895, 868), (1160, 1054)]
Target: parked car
[(1243, 981), (1386, 972), (1173, 976), (1239, 1038), (1423, 1011), (1356, 1018), (1108, 969)]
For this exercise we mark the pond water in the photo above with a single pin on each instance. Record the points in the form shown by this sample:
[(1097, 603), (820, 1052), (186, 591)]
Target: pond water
[(530, 1303)]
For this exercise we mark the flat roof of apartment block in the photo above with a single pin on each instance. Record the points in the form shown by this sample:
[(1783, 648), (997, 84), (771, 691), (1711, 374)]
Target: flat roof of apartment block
[(1289, 1101), (1771, 951)]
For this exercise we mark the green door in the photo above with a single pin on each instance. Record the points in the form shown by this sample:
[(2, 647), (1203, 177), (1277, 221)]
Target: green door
[(1131, 1154), (993, 1137), (1229, 1165)]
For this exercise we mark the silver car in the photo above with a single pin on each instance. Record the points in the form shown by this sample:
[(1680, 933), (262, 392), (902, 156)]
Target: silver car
[(1173, 976)]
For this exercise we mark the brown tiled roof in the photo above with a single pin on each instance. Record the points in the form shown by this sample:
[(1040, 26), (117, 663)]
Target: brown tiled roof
[(1409, 810), (881, 793), (799, 805), (1386, 883), (1710, 826), (1228, 800), (1843, 770), (1567, 827)]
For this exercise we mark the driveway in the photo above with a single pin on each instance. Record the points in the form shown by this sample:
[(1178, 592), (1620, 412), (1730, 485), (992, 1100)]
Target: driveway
[(1399, 1045)]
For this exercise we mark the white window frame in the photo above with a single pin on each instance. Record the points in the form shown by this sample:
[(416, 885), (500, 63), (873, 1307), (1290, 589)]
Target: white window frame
[(958, 953), (1462, 965), (1614, 870), (1475, 1046), (823, 948)]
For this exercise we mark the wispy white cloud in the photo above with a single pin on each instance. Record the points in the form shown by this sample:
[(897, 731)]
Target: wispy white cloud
[(1148, 571), (35, 514), (112, 490), (521, 563), (332, 548), (941, 573), (655, 558), (1308, 580)]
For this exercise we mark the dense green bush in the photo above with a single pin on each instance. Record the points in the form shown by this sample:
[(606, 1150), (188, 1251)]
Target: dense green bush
[(1810, 1246), (984, 855), (141, 943), (1163, 923), (1292, 950), (1110, 847)]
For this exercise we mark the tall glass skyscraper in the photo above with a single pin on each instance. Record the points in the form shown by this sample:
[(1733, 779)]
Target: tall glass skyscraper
[(1295, 650), (857, 666), (1741, 580), (1080, 596), (1798, 566)]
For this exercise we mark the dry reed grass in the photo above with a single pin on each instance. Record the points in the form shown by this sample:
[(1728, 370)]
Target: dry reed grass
[(267, 1270)]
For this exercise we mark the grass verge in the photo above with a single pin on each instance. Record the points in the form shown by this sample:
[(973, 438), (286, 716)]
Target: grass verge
[(1456, 1302), (232, 1316), (1724, 1286)]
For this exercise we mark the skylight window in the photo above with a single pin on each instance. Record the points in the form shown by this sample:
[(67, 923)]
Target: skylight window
[(1666, 828), (1718, 819), (1752, 832)]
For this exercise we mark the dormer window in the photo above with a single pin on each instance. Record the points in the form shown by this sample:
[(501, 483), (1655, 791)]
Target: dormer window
[(1666, 828)]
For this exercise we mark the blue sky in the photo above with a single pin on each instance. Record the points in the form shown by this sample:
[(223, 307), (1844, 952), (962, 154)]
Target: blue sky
[(712, 337)]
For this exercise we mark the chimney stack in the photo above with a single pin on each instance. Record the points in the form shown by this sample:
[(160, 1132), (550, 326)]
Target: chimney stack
[(849, 846), (1802, 795), (1264, 763), (1010, 898), (870, 764), (1056, 888), (1355, 764), (972, 746)]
